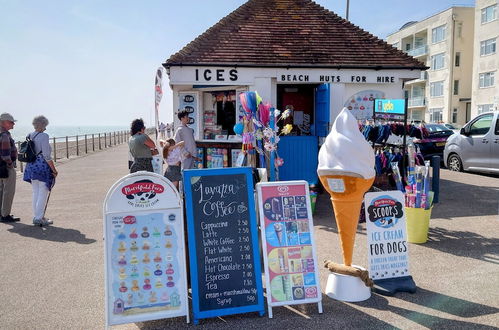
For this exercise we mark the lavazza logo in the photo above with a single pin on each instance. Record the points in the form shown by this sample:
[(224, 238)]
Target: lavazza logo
[(142, 193)]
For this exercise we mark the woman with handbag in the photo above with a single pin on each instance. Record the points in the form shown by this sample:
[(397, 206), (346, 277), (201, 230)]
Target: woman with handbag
[(142, 148), (42, 172)]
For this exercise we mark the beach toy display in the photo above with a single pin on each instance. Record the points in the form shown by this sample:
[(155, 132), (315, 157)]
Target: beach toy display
[(418, 197), (346, 170)]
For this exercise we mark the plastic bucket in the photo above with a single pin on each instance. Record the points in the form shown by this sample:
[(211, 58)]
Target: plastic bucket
[(313, 199), (417, 224)]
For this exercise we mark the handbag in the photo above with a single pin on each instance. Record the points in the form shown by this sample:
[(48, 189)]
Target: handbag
[(4, 171)]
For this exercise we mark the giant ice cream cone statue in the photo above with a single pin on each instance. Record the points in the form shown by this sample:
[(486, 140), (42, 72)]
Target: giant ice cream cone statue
[(346, 170)]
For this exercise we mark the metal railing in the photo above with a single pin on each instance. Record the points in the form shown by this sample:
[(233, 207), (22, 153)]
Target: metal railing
[(421, 50), (418, 101), (76, 145)]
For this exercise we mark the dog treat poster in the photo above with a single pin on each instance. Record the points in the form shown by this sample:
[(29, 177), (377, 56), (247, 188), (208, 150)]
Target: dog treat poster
[(223, 242), (386, 235), (145, 260), (288, 241)]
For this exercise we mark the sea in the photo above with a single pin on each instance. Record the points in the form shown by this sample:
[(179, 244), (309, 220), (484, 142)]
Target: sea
[(19, 132)]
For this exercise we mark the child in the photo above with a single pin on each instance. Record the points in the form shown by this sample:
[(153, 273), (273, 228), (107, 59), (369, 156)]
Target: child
[(172, 155)]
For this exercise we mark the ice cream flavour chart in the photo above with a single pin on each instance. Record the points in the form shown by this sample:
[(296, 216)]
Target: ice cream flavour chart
[(223, 242), (287, 233), (144, 251)]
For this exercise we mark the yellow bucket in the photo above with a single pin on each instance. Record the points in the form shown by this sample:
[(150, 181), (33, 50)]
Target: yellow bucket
[(417, 224)]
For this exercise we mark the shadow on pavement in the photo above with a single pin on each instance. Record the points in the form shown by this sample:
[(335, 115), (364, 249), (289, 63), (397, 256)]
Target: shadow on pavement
[(336, 315), (438, 302), (455, 200), (49, 233), (464, 244)]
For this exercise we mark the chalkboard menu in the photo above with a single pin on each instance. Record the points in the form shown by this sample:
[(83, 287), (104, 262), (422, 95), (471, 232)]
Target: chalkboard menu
[(223, 242)]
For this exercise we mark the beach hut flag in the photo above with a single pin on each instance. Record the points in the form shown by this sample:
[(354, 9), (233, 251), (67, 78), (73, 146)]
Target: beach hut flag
[(158, 94)]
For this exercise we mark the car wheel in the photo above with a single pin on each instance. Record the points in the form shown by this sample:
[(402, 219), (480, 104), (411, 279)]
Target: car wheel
[(455, 163)]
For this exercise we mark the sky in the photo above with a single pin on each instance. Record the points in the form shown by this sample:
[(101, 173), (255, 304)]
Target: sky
[(93, 62)]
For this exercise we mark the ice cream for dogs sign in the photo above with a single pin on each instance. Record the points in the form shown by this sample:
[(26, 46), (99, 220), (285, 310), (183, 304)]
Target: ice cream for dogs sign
[(386, 235), (288, 243)]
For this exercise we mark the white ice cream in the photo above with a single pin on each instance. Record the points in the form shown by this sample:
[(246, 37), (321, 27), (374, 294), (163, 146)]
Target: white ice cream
[(345, 151)]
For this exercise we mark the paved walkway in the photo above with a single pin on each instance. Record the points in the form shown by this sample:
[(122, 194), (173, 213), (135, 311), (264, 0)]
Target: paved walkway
[(53, 278)]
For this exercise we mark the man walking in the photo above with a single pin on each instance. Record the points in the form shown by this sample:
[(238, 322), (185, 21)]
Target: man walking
[(186, 134), (8, 157)]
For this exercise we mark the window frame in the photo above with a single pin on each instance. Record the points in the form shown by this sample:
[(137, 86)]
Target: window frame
[(457, 59), (432, 112), (435, 35), (483, 47), (432, 89), (455, 90), (435, 59), (483, 19), (482, 79), (490, 107)]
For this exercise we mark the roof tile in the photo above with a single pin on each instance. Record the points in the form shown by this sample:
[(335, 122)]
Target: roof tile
[(296, 33)]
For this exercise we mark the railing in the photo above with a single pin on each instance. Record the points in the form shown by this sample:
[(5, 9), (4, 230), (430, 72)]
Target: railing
[(76, 145), (418, 101), (421, 50)]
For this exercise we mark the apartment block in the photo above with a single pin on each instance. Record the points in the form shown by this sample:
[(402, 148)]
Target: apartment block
[(485, 87), (444, 42)]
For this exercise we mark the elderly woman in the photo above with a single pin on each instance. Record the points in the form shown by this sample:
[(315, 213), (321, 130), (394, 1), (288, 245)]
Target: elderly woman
[(142, 148), (41, 173)]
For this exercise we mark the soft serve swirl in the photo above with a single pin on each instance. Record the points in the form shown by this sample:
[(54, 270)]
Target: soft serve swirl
[(345, 151)]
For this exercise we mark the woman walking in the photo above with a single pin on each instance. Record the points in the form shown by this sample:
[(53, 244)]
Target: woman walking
[(141, 147), (42, 172)]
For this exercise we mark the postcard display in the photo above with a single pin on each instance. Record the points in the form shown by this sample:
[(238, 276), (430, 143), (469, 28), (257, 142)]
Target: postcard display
[(223, 242), (388, 255), (145, 263), (287, 231)]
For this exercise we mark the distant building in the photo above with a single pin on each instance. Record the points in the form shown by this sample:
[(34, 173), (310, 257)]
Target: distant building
[(485, 89), (444, 42)]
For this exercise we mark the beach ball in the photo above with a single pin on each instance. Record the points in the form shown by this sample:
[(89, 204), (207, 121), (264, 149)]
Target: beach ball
[(239, 128)]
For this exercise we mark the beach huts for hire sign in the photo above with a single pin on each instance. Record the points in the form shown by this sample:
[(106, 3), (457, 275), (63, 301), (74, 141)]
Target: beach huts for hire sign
[(287, 231), (145, 267), (388, 256), (223, 242)]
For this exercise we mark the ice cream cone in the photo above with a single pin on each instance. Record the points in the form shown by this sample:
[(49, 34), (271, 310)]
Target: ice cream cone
[(347, 193)]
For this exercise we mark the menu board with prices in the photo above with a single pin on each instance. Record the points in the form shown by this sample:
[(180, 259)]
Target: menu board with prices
[(144, 250), (223, 237), (287, 231)]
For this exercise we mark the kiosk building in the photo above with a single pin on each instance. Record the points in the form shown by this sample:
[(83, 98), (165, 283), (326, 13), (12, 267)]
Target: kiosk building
[(293, 53)]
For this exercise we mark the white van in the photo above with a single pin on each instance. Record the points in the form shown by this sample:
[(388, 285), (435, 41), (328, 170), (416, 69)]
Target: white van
[(476, 147)]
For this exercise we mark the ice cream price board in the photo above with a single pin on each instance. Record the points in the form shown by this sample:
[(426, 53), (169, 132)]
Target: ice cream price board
[(287, 232), (388, 255), (144, 250), (223, 242)]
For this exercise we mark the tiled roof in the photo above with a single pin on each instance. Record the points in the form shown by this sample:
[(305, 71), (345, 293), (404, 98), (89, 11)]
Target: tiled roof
[(290, 33)]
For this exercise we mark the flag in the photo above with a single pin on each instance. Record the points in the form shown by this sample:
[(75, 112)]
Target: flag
[(158, 94)]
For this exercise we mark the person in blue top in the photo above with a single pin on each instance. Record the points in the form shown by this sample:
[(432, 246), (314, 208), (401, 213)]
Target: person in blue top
[(42, 172)]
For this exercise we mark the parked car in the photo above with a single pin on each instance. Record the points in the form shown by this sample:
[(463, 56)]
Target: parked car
[(476, 147), (452, 127), (434, 144)]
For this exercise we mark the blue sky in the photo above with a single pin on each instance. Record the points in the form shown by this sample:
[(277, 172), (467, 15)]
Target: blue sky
[(93, 62)]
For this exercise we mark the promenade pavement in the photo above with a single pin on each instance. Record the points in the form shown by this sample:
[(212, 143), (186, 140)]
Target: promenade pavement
[(53, 278)]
